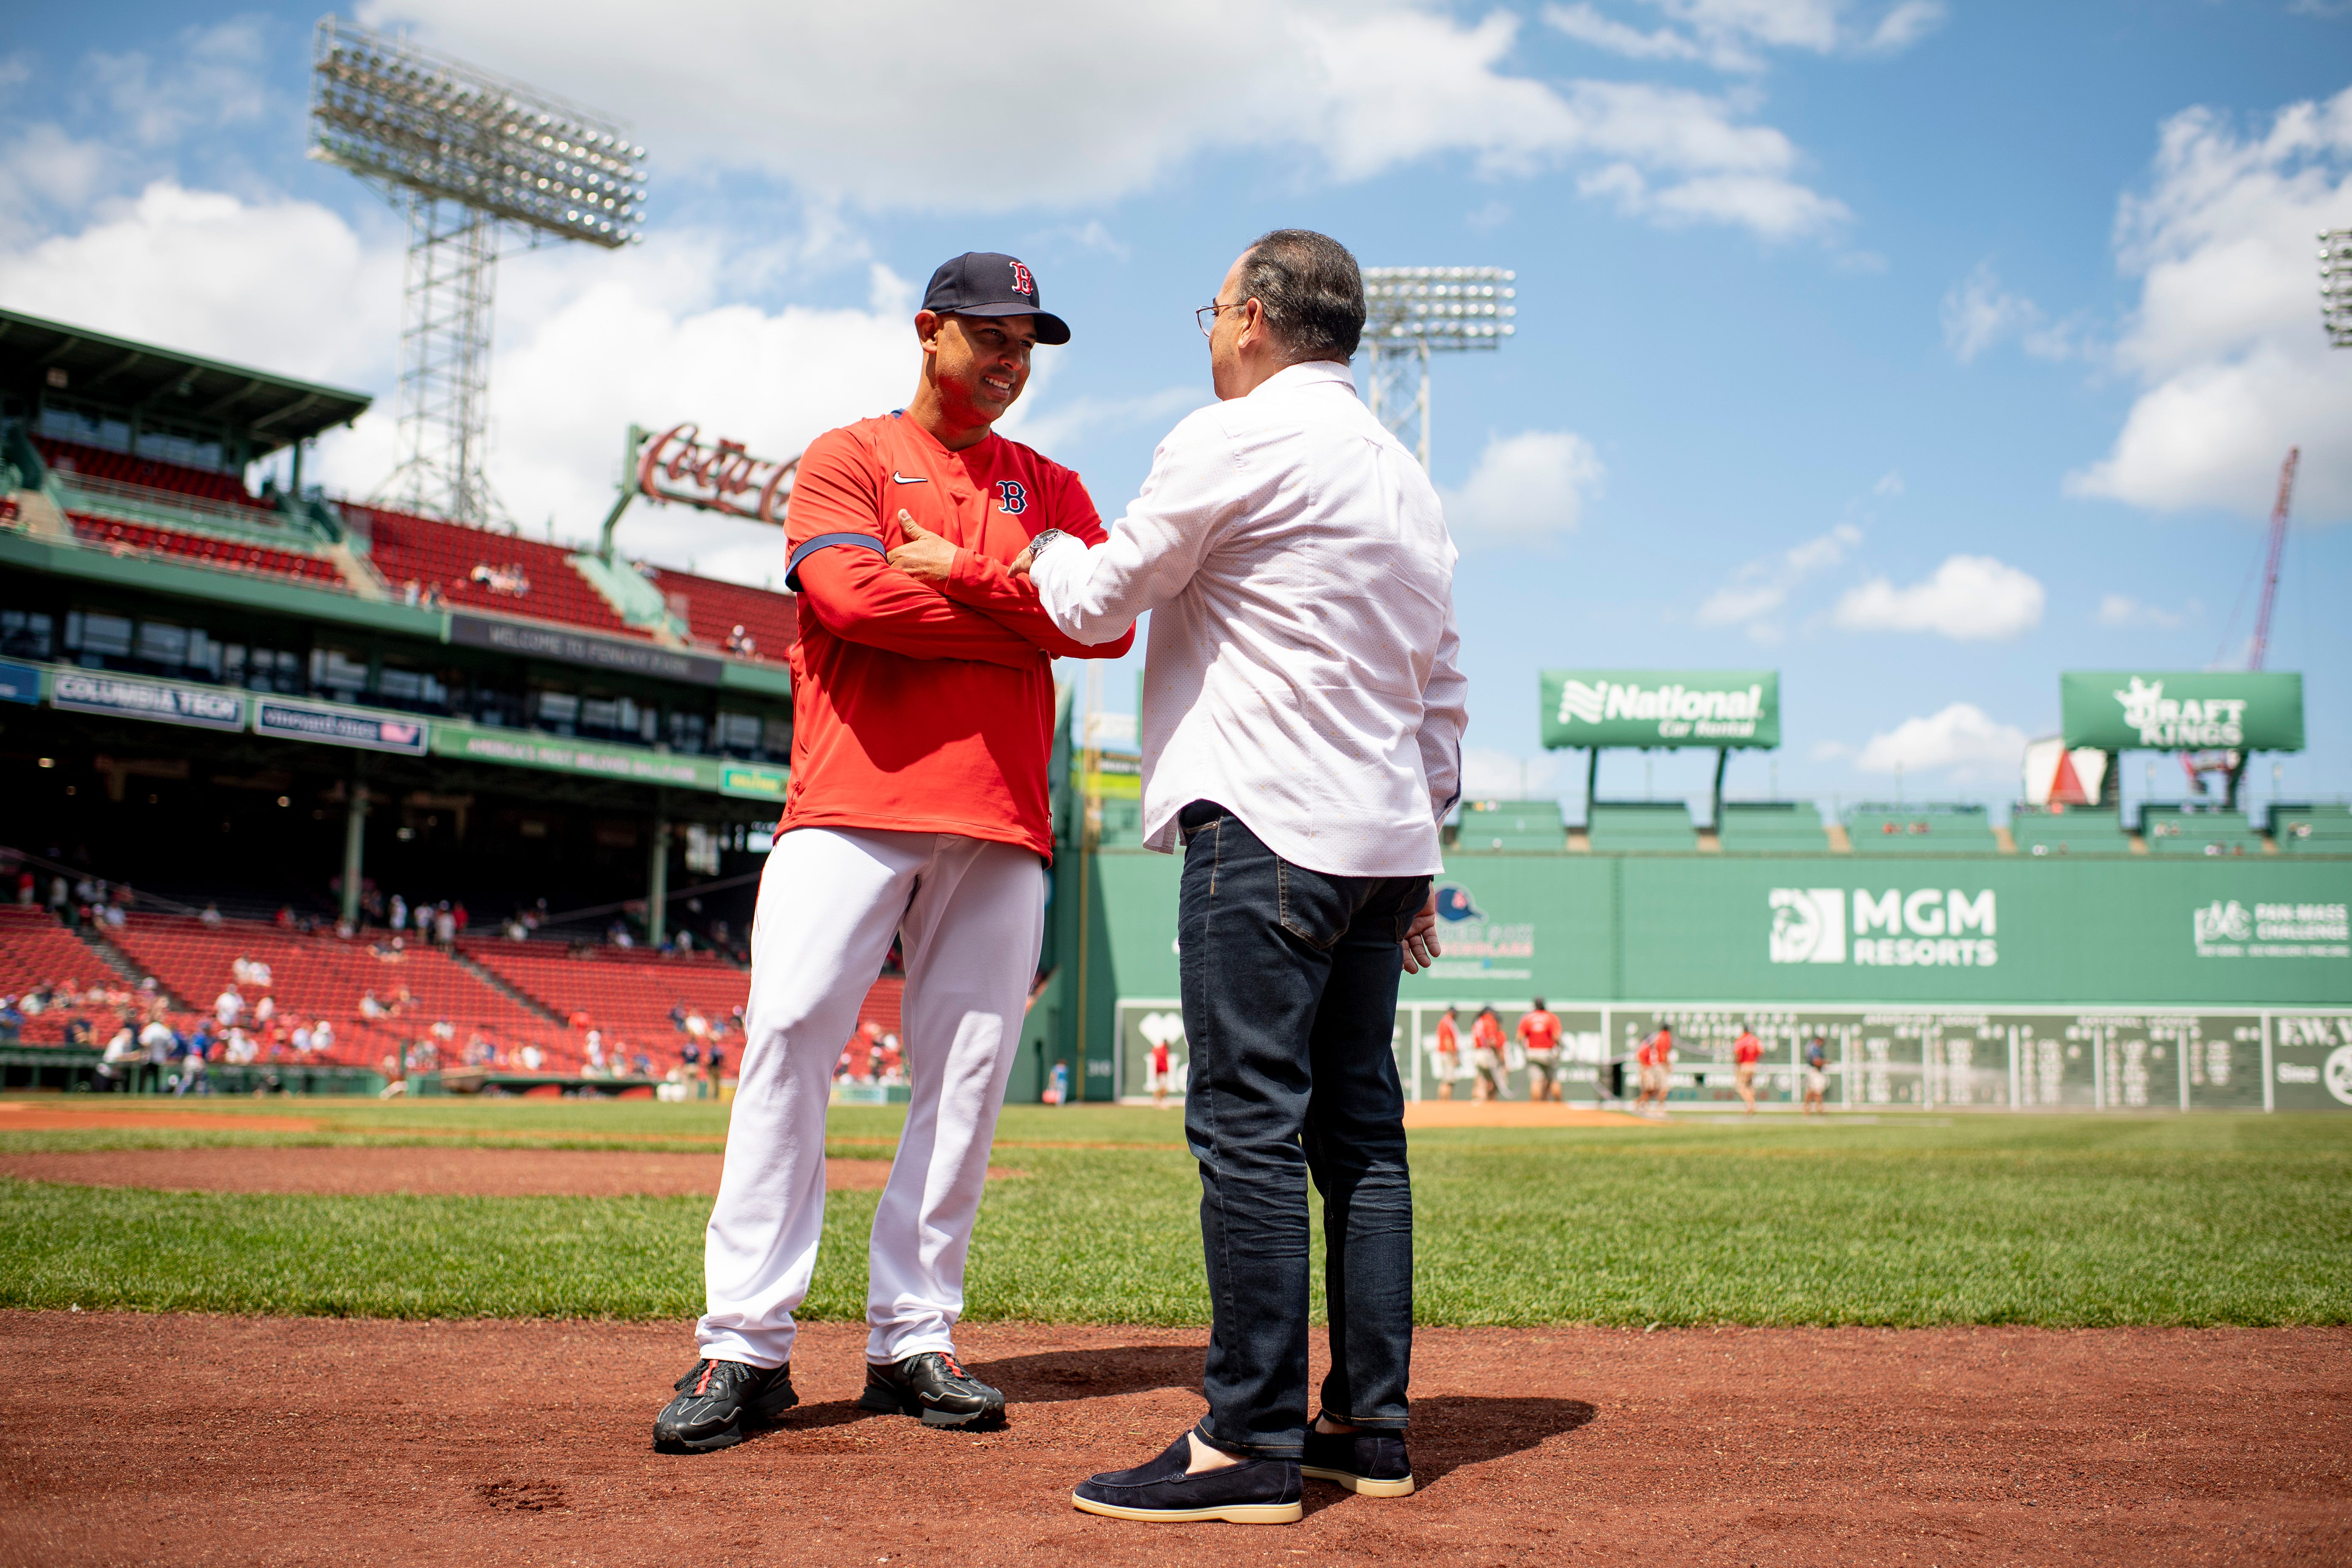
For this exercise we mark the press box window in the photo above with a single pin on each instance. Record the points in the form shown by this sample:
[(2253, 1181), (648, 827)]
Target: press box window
[(102, 636), (336, 672), (412, 687), (738, 733), (25, 633), (555, 711)]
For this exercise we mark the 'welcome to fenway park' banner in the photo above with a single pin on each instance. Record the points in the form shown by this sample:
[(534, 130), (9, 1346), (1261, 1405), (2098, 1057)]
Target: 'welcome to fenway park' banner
[(2170, 710), (1699, 708)]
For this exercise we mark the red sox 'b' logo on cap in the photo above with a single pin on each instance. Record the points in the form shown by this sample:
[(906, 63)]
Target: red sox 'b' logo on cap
[(1022, 282)]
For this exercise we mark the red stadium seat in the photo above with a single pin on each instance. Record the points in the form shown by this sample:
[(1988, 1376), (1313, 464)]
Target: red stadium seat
[(109, 533), (443, 555)]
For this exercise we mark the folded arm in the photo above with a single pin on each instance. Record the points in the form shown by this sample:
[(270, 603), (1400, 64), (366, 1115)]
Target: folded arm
[(981, 583), (856, 596)]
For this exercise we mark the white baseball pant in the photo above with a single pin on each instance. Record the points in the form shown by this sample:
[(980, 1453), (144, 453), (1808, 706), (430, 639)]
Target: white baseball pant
[(972, 916)]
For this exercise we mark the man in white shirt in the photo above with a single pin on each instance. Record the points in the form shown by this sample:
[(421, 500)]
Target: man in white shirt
[(1302, 724)]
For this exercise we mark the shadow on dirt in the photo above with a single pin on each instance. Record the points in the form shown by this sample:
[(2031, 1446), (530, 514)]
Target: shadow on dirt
[(1452, 1430), (1052, 1377)]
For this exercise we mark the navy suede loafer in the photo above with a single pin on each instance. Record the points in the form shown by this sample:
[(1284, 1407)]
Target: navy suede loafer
[(1255, 1492), (1370, 1463)]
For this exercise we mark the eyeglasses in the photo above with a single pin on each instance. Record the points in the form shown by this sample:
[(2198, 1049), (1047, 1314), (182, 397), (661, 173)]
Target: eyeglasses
[(1207, 315)]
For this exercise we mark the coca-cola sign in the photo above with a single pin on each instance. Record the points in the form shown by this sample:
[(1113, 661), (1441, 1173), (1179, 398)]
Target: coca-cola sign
[(717, 476)]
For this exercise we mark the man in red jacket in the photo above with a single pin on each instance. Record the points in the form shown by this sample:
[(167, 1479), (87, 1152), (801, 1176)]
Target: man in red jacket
[(917, 810)]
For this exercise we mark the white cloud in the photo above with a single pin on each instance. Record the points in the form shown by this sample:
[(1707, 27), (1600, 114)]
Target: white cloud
[(283, 285), (1761, 587), (2119, 611), (1587, 26), (1890, 483), (1730, 34), (1527, 487), (1962, 739), (1488, 774), (2225, 343), (1968, 598), (1978, 312), (1365, 86)]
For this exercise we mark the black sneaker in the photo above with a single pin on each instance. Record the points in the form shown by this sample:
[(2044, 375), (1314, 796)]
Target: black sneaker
[(716, 1401), (934, 1386), (1371, 1464), (1255, 1492)]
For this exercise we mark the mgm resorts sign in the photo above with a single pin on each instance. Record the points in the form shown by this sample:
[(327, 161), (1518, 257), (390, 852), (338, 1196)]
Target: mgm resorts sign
[(2121, 711), (1926, 926), (1696, 708)]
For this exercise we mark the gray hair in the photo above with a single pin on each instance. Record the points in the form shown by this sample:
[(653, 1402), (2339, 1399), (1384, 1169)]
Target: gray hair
[(1311, 290)]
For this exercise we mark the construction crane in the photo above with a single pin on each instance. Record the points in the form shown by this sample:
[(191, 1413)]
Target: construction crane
[(2231, 765)]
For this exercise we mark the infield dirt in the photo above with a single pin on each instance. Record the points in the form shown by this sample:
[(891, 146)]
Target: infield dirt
[(130, 1437)]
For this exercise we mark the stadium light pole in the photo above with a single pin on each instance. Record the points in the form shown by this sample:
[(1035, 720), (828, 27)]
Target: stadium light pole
[(471, 158), (2336, 285), (1411, 312)]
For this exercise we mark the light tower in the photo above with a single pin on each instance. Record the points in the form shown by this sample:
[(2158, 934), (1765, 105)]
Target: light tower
[(1411, 312), (2336, 285), (468, 156)]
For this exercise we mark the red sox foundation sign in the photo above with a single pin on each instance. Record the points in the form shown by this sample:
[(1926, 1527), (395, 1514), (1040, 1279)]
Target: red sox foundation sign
[(719, 476)]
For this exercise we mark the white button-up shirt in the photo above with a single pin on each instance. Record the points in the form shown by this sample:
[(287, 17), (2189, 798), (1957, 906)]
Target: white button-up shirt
[(1301, 669)]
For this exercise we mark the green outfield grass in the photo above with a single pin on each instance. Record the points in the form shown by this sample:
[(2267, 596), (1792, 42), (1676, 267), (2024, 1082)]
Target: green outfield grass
[(2059, 1221)]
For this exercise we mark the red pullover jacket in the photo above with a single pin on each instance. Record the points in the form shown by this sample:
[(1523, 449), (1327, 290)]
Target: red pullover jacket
[(916, 711)]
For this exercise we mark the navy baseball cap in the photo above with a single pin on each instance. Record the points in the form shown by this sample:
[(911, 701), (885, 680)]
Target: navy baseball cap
[(982, 283)]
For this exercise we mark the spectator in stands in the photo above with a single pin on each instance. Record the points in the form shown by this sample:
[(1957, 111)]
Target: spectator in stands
[(159, 1042), (592, 1052), (243, 1048), (27, 890), (120, 1061), (690, 1058), (445, 925), (11, 1018), (741, 643), (532, 1057), (301, 1038), (322, 1037), (645, 1065), (617, 933), (212, 916), (265, 1011), (398, 919), (718, 1068), (192, 1066), (370, 1008)]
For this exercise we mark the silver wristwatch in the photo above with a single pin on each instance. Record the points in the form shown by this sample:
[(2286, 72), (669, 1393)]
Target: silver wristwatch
[(1049, 536)]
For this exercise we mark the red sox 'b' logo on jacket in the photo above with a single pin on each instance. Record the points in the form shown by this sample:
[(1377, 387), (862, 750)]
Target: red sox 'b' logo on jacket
[(1022, 282)]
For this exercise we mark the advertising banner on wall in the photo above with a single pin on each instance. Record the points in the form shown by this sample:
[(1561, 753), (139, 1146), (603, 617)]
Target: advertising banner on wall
[(330, 725), (2177, 710), (132, 696), (1708, 708)]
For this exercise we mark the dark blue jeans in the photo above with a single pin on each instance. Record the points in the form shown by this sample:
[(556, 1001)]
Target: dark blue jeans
[(1290, 988)]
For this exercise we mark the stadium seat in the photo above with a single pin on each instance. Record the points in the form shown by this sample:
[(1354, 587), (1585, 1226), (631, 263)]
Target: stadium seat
[(1771, 826), (406, 549), (714, 609), (1930, 829), (37, 952), (2068, 830), (2179, 830), (2312, 829), (226, 555), (1520, 824), (1615, 826), (70, 457), (322, 976)]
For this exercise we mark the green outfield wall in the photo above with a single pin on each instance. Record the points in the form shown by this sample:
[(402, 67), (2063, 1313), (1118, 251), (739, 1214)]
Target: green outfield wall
[(1973, 981)]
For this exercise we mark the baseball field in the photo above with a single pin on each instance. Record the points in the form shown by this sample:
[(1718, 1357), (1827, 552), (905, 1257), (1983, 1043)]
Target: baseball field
[(303, 1331)]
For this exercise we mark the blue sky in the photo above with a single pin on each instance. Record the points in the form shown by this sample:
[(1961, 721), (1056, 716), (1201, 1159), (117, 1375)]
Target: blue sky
[(1918, 351)]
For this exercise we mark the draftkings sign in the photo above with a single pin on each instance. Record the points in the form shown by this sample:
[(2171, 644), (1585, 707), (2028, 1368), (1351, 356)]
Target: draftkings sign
[(2172, 710), (1696, 708)]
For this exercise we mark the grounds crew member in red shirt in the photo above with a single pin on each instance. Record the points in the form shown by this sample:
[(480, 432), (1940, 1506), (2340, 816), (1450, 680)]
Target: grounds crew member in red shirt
[(1746, 1052), (1540, 1036), (917, 811)]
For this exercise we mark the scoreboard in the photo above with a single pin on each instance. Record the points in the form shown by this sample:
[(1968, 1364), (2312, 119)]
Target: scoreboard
[(1890, 1058)]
